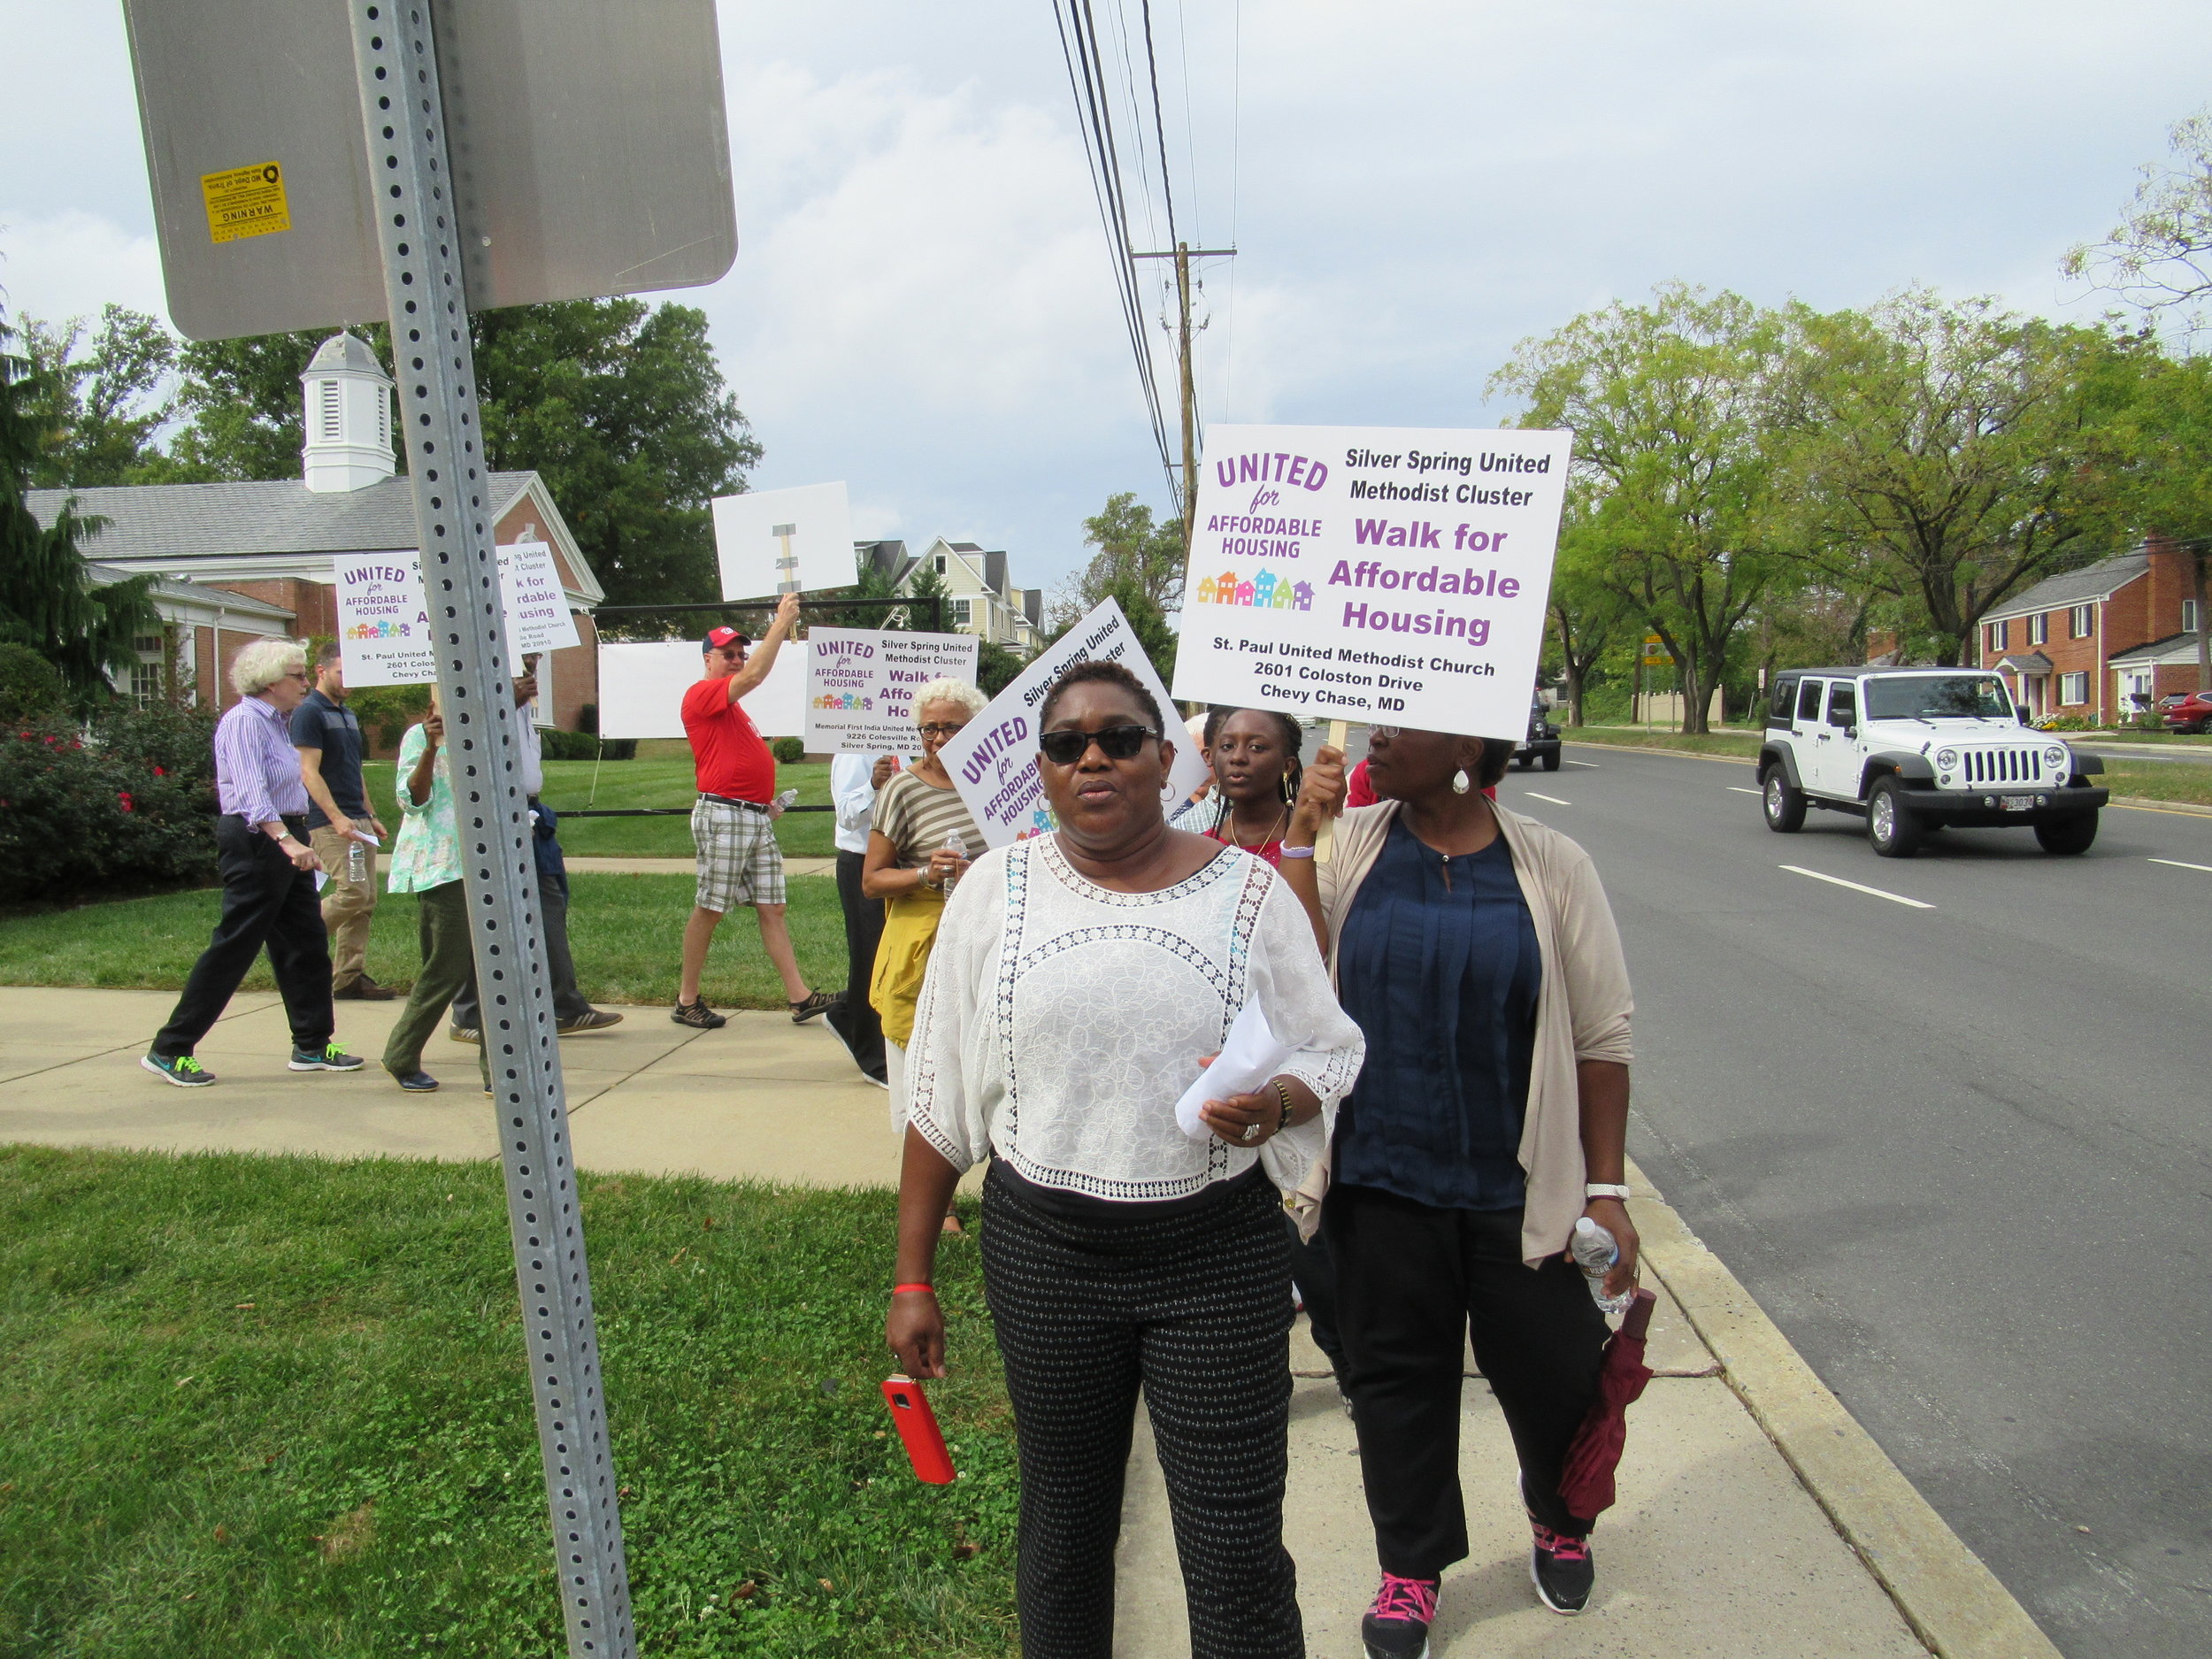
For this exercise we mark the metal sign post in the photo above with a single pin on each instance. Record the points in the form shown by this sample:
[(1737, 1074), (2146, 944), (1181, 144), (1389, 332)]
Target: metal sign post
[(420, 239)]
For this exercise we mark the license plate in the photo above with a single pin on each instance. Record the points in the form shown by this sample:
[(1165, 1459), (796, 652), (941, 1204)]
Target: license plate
[(2015, 802)]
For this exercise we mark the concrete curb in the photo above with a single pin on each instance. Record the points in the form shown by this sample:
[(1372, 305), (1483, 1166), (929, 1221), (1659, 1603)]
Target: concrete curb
[(2147, 804), (1952, 1600)]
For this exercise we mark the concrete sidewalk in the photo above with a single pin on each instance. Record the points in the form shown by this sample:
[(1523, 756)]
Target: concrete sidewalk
[(1755, 1518)]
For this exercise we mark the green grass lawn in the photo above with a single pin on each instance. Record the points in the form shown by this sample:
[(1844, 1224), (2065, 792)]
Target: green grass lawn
[(625, 932), (665, 782), (258, 1406), (2152, 781)]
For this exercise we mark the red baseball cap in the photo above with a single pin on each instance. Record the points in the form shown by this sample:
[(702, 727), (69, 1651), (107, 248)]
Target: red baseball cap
[(717, 638)]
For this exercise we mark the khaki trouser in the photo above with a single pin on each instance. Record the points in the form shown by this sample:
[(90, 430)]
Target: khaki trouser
[(347, 905)]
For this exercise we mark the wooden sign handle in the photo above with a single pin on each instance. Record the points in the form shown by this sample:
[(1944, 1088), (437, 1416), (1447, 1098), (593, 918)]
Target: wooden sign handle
[(1324, 838)]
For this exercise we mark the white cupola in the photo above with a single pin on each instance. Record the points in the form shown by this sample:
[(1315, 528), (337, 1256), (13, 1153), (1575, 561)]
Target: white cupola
[(348, 417)]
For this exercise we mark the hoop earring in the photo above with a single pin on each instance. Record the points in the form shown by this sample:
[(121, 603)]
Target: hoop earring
[(1461, 782)]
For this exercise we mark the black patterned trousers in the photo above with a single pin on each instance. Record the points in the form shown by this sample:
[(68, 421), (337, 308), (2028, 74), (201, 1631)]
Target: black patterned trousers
[(1195, 1306)]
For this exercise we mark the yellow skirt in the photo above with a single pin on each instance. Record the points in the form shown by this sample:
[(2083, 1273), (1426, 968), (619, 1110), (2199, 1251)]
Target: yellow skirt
[(909, 930)]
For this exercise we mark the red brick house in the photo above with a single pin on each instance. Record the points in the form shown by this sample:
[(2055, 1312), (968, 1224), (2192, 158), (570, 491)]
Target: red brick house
[(2092, 641), (244, 561)]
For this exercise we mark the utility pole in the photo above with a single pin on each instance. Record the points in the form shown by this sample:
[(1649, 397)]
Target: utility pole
[(1183, 255)]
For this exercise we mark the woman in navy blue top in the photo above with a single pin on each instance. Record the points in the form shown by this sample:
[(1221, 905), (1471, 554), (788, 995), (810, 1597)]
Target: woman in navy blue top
[(1475, 952)]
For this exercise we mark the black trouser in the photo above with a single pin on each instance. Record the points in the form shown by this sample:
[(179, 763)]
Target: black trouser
[(1194, 1306), (1314, 1275), (856, 1020), (1414, 1282), (560, 967), (266, 902)]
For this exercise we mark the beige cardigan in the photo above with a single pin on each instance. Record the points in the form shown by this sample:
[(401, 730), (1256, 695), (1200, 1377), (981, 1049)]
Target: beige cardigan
[(1582, 1005)]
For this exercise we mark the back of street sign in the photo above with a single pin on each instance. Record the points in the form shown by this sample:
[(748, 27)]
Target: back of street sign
[(589, 149)]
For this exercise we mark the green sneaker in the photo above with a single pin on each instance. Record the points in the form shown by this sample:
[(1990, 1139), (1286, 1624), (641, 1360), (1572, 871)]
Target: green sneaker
[(329, 1057), (183, 1070)]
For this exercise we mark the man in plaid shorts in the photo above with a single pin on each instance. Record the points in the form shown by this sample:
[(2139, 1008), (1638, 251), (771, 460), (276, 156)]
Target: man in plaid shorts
[(733, 821)]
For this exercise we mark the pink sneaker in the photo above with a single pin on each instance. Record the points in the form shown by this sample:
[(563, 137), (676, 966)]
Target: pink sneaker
[(1397, 1625)]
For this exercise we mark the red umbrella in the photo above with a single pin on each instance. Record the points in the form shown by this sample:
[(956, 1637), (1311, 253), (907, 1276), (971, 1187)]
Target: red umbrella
[(1586, 1485)]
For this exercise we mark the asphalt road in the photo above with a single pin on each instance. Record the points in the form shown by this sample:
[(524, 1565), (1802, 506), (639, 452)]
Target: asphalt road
[(1961, 1153)]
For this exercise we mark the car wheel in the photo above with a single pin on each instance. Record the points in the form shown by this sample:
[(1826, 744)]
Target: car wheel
[(1524, 761), (1551, 761), (1785, 805), (1889, 823), (2068, 834)]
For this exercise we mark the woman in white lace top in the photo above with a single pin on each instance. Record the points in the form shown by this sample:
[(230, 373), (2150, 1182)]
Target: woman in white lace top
[(1078, 980)]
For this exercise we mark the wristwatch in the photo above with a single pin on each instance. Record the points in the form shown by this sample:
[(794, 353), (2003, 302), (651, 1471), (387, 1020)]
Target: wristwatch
[(1604, 1190)]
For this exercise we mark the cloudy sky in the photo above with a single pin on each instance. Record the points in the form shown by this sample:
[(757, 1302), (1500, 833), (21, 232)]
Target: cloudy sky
[(922, 303)]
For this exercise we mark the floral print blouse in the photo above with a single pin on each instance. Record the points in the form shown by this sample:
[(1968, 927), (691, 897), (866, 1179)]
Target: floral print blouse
[(427, 852)]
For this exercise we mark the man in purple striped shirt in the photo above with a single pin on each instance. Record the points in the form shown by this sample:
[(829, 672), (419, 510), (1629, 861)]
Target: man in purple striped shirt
[(268, 877)]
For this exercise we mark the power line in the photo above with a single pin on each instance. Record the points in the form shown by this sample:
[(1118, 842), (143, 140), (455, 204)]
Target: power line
[(1088, 82)]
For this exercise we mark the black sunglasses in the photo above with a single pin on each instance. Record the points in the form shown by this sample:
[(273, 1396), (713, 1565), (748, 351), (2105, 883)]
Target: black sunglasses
[(1116, 743)]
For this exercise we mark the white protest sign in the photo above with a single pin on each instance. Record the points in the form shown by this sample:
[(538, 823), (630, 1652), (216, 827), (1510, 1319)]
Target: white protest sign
[(642, 690), (538, 617), (1375, 574), (861, 684), (994, 760), (384, 624), (773, 540)]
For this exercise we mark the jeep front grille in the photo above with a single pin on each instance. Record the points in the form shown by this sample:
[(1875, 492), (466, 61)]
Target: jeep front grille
[(2003, 766)]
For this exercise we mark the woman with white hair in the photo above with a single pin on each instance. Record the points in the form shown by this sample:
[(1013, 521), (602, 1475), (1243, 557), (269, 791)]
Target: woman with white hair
[(268, 873), (919, 844)]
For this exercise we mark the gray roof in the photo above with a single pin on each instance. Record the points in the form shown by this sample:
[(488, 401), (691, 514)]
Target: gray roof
[(2073, 587), (346, 351), (177, 587), (184, 521), (2157, 651)]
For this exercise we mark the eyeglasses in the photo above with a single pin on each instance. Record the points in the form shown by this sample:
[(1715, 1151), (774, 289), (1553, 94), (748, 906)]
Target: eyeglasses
[(1384, 731), (942, 730), (1116, 743)]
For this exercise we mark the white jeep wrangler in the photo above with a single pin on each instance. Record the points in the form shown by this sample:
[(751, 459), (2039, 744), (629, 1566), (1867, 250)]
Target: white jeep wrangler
[(1917, 750)]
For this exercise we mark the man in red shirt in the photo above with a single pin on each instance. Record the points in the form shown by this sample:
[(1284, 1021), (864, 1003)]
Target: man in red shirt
[(733, 821)]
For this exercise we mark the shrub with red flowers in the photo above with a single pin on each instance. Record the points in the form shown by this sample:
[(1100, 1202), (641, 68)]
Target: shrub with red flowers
[(122, 804)]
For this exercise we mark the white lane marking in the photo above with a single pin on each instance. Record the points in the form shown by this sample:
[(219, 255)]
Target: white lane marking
[(1736, 788), (1895, 898), (1554, 799), (2181, 864), (1589, 764)]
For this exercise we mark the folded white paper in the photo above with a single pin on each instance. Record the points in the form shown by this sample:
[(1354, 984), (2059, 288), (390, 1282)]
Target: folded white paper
[(1249, 1057)]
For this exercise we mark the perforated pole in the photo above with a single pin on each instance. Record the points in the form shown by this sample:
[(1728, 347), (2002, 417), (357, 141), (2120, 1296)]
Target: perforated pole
[(419, 235)]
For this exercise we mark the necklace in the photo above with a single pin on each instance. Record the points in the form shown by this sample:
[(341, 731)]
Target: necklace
[(1274, 831)]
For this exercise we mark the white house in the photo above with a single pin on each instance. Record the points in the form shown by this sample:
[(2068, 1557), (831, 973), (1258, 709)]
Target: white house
[(977, 599)]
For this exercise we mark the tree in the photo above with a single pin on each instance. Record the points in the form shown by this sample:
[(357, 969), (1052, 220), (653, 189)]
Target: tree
[(96, 394), (619, 406), (47, 601), (1588, 615), (2164, 441), (1133, 548), (2158, 257), (1153, 633), (1952, 454), (1672, 408)]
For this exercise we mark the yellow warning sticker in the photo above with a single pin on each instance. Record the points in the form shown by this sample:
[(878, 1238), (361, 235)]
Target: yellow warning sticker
[(245, 202)]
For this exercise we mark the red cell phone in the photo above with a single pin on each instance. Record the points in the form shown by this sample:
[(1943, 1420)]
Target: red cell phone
[(918, 1428)]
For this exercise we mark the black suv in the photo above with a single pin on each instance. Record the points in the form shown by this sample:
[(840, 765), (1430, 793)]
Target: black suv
[(1542, 743)]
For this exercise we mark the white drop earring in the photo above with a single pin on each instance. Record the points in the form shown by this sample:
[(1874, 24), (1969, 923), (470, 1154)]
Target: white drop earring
[(1461, 782)]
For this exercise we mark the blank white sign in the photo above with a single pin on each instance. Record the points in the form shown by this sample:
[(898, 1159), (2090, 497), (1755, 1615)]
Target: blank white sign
[(642, 690), (748, 550)]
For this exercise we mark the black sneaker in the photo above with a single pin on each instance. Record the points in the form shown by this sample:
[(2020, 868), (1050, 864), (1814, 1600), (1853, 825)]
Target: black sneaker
[(698, 1016), (817, 1002), (329, 1057), (597, 1019), (465, 1034), (416, 1082), (1562, 1569), (183, 1069), (1397, 1623)]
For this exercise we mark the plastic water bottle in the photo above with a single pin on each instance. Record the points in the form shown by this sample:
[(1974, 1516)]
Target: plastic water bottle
[(787, 799), (1595, 1250), (959, 849), (356, 862)]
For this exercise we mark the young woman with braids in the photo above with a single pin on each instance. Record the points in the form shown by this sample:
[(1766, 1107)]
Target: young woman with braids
[(1254, 754)]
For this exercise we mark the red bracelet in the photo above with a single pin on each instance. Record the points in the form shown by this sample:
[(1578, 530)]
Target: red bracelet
[(900, 1290)]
